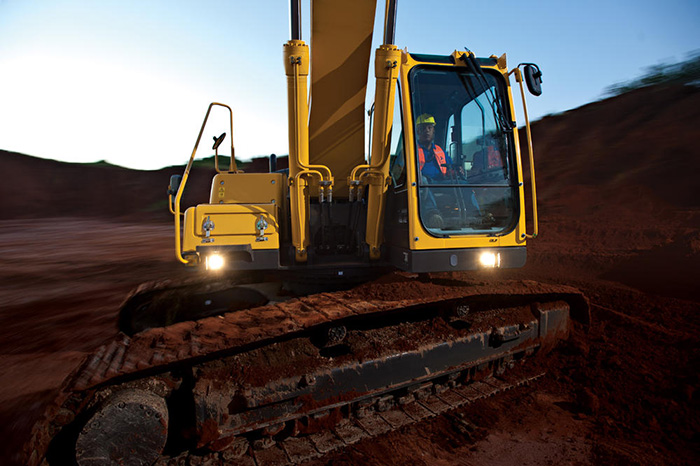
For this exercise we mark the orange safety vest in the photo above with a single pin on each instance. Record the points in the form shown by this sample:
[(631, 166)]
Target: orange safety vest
[(439, 157), (494, 158)]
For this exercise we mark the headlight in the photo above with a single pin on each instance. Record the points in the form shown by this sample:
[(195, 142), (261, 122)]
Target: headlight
[(214, 262), (490, 259)]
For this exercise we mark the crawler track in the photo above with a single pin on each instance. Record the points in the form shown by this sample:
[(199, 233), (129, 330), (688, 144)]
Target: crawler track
[(272, 371), (371, 418)]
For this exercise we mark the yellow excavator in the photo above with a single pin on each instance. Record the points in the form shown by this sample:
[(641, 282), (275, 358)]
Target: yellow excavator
[(220, 372), (333, 210)]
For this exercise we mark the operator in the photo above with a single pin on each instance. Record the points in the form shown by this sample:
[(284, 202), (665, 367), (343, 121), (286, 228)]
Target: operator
[(431, 158), (433, 161)]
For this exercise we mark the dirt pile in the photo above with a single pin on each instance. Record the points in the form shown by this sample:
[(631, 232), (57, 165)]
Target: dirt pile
[(618, 193), (638, 151)]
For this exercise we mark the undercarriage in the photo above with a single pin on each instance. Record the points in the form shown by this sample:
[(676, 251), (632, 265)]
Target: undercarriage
[(292, 380)]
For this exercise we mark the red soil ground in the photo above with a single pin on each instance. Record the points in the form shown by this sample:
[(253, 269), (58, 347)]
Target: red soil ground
[(619, 218)]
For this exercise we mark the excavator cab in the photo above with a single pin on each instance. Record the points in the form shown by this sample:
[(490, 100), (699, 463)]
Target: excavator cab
[(457, 199)]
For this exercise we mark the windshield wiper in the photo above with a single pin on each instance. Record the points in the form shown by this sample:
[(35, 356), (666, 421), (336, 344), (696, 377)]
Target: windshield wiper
[(505, 124)]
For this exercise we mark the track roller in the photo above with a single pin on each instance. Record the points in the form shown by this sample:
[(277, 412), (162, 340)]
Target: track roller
[(129, 428)]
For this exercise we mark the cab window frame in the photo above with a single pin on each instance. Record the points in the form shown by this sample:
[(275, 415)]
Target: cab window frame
[(442, 138)]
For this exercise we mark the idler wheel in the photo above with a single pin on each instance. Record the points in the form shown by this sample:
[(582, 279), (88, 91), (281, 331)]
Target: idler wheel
[(129, 428)]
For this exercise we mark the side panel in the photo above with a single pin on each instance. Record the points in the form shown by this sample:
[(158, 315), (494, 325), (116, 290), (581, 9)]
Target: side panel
[(248, 188), (231, 224)]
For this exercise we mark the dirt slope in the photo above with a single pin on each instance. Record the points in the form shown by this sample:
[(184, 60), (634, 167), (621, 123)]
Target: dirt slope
[(39, 188), (619, 218), (643, 142)]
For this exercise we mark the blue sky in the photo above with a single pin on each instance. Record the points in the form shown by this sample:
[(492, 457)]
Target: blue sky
[(129, 81)]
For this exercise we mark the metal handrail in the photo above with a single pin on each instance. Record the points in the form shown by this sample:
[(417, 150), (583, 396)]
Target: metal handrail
[(181, 189), (519, 79)]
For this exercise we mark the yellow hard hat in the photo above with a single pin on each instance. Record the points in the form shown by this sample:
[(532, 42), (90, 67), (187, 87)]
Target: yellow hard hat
[(425, 118)]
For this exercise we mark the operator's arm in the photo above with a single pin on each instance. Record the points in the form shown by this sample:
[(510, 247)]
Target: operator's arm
[(453, 170)]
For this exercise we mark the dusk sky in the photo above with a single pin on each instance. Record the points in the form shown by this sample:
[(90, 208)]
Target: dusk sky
[(129, 81)]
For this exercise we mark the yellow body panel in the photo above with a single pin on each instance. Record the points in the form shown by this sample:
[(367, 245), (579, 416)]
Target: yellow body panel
[(248, 188), (234, 224), (237, 201), (420, 239)]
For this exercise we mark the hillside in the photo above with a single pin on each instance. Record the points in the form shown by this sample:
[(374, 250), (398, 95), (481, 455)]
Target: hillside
[(38, 188), (637, 146), (35, 188)]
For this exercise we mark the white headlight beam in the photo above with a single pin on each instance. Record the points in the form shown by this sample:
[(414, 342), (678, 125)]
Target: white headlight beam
[(214, 262), (490, 259)]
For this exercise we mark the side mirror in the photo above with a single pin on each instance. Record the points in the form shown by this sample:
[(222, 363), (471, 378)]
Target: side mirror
[(533, 79), (175, 181), (218, 141)]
